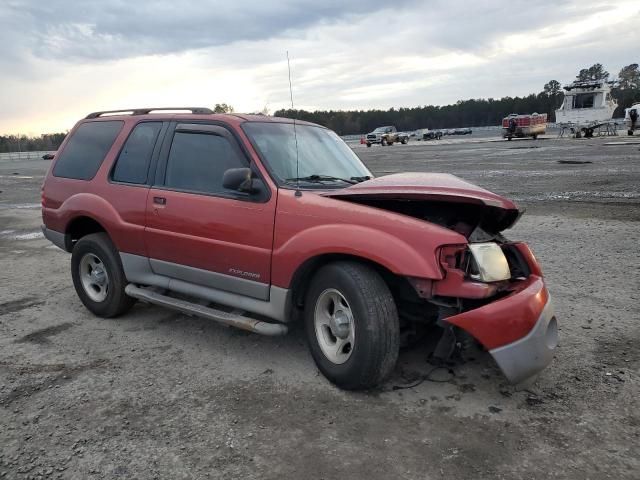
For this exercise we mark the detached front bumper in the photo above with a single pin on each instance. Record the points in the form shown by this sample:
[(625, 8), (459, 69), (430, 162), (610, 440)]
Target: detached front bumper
[(525, 358), (520, 330)]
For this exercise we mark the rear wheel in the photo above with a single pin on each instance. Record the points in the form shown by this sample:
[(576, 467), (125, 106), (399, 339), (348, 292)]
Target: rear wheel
[(404, 141), (98, 276), (352, 325)]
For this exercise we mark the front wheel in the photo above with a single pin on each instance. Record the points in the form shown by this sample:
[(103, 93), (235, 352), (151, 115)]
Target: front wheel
[(98, 276), (352, 325), (383, 142)]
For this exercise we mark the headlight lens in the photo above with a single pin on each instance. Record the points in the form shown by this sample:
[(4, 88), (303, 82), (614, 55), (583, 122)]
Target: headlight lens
[(490, 262)]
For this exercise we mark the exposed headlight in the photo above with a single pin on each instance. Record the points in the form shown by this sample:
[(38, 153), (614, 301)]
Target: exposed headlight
[(490, 263)]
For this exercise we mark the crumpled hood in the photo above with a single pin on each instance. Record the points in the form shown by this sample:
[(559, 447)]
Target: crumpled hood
[(435, 186), (427, 195)]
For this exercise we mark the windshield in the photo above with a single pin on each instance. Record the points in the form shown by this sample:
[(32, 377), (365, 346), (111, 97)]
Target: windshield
[(320, 153), (381, 129)]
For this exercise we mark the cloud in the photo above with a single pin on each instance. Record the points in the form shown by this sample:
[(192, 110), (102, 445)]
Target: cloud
[(81, 30), (61, 59)]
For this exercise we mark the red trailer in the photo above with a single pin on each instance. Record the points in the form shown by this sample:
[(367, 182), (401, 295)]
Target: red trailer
[(529, 125)]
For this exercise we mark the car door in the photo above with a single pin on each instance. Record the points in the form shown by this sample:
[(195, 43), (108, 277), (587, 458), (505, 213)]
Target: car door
[(198, 231)]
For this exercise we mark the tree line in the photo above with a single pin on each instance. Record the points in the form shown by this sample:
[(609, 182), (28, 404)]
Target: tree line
[(23, 143), (473, 112)]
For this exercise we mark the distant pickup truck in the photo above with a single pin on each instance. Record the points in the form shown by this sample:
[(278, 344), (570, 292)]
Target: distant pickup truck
[(386, 136)]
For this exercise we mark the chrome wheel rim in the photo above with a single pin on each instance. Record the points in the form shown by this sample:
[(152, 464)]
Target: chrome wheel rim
[(334, 326), (94, 277)]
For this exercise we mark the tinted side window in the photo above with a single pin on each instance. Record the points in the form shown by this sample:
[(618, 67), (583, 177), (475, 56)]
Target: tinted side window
[(86, 149), (198, 161), (133, 162)]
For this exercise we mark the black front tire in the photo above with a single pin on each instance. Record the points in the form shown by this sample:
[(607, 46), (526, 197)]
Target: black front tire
[(116, 302), (375, 318)]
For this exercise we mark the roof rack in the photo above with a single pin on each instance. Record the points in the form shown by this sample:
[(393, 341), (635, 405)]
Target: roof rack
[(145, 111)]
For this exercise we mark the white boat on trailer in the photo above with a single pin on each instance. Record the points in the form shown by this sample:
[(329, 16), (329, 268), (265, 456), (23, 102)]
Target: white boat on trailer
[(587, 106), (632, 118)]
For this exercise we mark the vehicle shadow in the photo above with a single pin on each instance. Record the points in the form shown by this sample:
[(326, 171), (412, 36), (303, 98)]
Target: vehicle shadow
[(287, 357)]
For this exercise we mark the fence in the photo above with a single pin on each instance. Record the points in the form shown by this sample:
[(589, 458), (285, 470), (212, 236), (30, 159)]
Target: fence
[(19, 156)]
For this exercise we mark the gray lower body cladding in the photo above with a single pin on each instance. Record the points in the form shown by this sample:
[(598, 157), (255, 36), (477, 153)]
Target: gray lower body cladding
[(275, 302), (57, 238)]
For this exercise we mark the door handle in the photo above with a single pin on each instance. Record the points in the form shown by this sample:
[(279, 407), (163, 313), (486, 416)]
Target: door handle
[(160, 200)]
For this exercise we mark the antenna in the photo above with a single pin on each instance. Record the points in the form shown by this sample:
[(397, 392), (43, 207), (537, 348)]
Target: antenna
[(295, 133)]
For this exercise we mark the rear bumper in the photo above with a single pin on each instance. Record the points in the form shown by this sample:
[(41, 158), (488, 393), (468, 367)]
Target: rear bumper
[(520, 330), (57, 238)]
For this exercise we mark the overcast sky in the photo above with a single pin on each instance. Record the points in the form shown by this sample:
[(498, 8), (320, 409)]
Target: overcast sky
[(60, 59)]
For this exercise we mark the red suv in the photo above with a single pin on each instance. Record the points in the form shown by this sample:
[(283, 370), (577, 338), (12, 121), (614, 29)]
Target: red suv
[(256, 222)]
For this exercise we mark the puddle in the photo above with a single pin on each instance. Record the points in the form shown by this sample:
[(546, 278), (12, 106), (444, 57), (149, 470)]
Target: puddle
[(582, 195), (28, 236), (512, 173), (21, 236), (19, 206)]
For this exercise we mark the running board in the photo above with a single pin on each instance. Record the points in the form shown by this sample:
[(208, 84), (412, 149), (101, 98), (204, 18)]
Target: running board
[(232, 319)]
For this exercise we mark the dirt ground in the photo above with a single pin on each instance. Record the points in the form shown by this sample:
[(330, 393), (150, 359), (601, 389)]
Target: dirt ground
[(161, 395)]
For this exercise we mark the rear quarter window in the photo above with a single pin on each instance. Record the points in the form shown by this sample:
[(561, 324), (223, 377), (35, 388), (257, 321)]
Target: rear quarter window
[(86, 149), (132, 164)]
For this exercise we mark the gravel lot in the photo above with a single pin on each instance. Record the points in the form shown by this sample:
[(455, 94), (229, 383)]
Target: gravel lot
[(161, 395)]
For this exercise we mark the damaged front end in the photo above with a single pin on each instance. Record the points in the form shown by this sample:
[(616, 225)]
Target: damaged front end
[(491, 289), (511, 315)]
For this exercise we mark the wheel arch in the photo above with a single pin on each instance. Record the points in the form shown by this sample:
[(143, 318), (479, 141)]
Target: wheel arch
[(301, 279), (79, 227)]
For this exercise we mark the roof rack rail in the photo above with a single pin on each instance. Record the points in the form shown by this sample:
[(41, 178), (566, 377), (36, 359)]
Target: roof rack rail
[(145, 111)]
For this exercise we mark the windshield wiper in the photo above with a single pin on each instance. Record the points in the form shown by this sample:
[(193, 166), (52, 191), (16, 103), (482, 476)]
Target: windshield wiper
[(323, 178), (361, 179)]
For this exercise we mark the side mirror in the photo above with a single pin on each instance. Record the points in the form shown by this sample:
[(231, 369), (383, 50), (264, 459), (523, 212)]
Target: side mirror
[(239, 179)]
